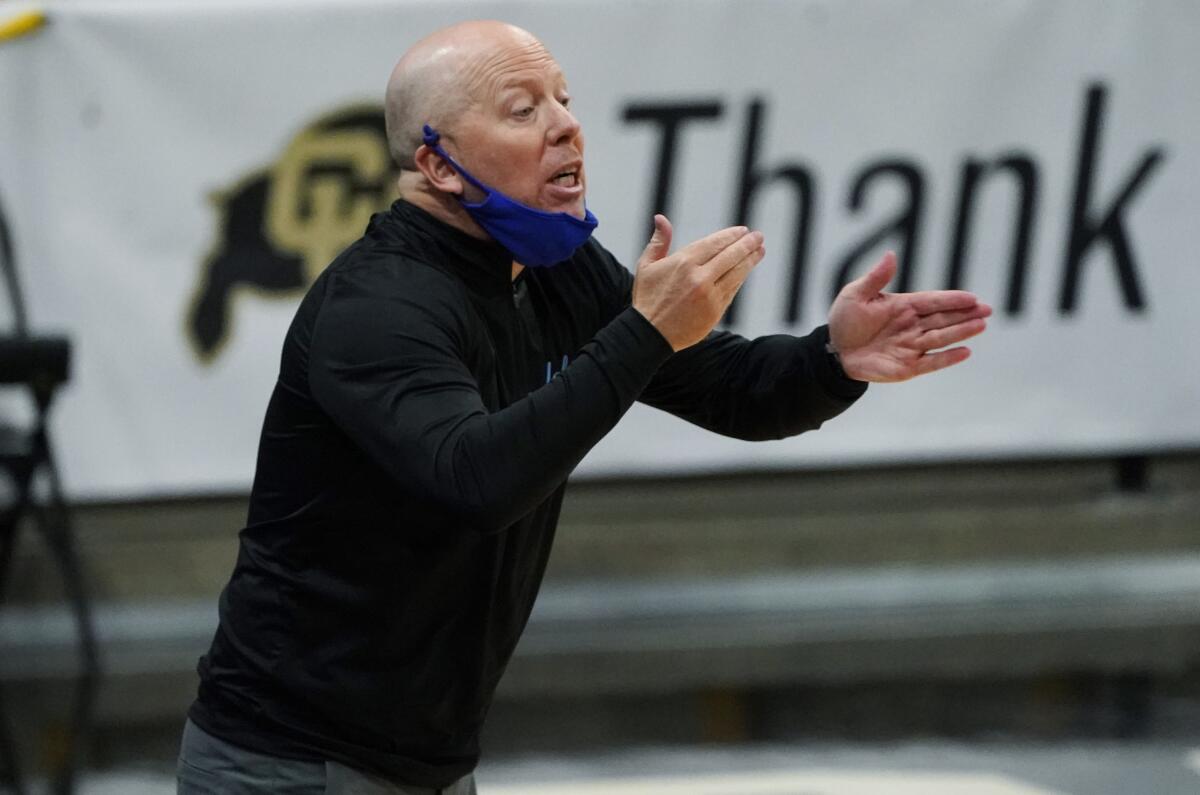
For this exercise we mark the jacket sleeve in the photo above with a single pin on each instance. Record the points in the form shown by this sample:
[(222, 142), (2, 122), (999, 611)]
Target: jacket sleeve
[(389, 368), (767, 388)]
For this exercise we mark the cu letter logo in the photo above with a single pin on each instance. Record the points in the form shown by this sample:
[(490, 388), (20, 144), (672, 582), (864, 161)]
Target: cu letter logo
[(281, 225)]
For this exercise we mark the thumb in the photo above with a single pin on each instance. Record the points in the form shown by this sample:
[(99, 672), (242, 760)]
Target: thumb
[(873, 282), (660, 241)]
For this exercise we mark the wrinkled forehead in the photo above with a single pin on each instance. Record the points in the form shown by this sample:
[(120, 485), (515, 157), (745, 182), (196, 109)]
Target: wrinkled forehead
[(519, 62)]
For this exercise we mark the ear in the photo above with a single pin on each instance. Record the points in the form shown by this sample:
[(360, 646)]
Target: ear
[(437, 171)]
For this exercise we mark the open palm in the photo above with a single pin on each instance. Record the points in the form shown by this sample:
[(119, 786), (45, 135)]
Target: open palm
[(884, 337)]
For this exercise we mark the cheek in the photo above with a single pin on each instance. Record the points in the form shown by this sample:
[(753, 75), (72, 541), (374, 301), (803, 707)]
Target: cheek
[(516, 170), (524, 175)]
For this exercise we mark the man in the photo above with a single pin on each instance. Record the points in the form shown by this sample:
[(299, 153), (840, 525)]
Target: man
[(440, 381)]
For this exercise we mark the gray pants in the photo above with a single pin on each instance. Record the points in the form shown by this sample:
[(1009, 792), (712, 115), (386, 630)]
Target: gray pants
[(211, 766)]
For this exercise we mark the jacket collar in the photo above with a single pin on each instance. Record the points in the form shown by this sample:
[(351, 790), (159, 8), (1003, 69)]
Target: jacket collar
[(484, 265)]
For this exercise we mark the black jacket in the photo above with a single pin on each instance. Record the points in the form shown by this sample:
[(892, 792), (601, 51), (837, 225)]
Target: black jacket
[(410, 472)]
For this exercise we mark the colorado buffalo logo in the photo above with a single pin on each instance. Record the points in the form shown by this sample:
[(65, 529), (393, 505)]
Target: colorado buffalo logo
[(281, 225)]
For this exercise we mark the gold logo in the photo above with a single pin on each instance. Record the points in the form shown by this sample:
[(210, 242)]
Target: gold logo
[(281, 225)]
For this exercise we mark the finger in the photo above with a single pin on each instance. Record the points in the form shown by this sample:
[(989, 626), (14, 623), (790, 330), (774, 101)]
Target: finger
[(873, 281), (940, 338), (931, 301), (660, 240), (941, 360), (944, 319), (701, 251), (731, 281), (730, 256)]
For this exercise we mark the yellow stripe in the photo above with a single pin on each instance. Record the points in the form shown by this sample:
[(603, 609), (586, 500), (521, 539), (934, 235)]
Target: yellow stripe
[(21, 24)]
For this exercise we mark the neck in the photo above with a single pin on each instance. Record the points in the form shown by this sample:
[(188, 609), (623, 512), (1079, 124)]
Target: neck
[(414, 188)]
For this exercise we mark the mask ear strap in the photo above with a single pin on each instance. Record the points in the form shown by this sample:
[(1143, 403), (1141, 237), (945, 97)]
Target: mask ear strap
[(431, 137)]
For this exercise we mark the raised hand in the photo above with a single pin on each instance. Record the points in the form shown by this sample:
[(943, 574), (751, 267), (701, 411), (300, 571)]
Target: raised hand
[(684, 294), (886, 337)]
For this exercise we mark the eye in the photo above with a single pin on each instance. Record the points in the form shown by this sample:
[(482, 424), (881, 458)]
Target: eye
[(524, 112), (565, 102)]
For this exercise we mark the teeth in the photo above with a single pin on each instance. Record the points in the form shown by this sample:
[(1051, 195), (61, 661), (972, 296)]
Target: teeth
[(567, 179)]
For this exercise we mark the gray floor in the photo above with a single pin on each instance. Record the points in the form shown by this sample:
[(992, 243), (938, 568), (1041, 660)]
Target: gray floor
[(935, 768)]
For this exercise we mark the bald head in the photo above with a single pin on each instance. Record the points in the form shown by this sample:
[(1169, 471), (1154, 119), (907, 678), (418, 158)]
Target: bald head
[(501, 104), (441, 76)]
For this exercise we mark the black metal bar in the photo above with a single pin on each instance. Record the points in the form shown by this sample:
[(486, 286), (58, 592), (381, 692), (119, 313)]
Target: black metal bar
[(55, 522), (8, 265), (12, 778)]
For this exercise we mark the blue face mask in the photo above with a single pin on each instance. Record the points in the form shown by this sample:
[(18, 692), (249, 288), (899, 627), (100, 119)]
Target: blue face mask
[(536, 238)]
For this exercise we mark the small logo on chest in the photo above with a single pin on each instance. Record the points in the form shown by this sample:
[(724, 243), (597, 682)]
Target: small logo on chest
[(551, 373)]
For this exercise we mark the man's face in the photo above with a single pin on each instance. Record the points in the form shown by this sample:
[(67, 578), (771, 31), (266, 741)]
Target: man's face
[(519, 136)]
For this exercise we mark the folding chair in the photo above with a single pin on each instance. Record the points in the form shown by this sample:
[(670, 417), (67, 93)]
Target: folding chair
[(39, 364)]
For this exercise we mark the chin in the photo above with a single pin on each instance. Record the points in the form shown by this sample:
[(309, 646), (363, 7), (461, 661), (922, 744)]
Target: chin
[(577, 209)]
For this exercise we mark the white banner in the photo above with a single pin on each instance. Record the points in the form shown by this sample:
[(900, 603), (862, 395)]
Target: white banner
[(176, 172)]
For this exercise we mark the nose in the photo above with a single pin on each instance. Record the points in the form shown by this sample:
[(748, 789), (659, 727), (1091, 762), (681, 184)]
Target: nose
[(564, 127)]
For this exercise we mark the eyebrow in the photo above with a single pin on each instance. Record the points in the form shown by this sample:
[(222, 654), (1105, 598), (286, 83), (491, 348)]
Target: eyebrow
[(526, 81)]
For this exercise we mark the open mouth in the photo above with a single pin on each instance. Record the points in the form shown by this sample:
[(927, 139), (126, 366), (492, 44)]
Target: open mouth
[(566, 179)]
